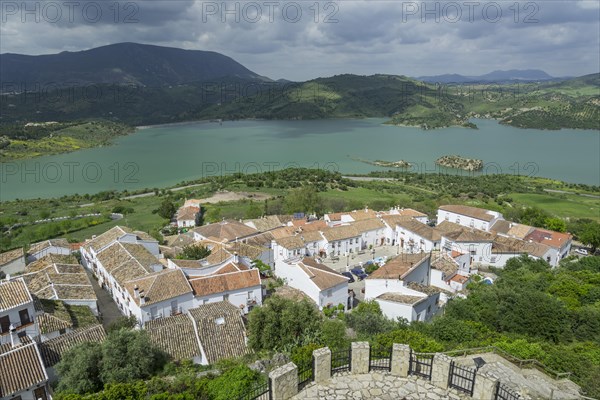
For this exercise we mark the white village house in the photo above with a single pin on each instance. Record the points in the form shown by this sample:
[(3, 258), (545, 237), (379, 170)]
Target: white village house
[(323, 285), (401, 287)]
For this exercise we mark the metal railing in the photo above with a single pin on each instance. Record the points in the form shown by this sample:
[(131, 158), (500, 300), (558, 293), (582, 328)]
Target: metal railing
[(260, 392), (462, 378), (421, 364), (380, 359), (341, 360), (306, 374), (503, 392), (528, 363)]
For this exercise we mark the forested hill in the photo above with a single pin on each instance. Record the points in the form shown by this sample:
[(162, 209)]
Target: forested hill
[(121, 63)]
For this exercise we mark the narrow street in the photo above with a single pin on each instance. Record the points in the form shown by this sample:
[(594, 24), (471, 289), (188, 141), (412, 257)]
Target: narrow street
[(106, 306)]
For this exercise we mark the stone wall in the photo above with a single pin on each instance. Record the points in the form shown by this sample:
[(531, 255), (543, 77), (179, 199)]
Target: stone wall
[(284, 380)]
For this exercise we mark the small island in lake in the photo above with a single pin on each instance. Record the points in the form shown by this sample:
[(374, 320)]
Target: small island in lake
[(458, 162), (387, 164)]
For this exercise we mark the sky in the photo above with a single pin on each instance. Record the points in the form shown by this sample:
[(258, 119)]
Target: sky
[(301, 40)]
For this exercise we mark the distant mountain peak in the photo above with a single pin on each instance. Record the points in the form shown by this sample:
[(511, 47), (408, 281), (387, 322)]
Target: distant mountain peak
[(516, 75)]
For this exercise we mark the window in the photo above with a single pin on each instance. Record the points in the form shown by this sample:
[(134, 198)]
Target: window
[(250, 295), (24, 316), (493, 259), (205, 301), (226, 297), (62, 331), (329, 293), (174, 306), (40, 394), (428, 309), (153, 312), (4, 324)]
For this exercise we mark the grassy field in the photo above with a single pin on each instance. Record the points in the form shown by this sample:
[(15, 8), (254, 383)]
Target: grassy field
[(561, 204), (422, 192)]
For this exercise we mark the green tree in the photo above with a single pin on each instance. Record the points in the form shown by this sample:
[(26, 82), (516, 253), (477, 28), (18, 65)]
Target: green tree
[(79, 369), (281, 323), (122, 323), (306, 200), (194, 252), (129, 355), (333, 334), (556, 224), (167, 209), (254, 210), (367, 319), (590, 235)]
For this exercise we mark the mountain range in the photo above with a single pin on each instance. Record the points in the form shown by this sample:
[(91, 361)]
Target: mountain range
[(498, 76), (122, 63)]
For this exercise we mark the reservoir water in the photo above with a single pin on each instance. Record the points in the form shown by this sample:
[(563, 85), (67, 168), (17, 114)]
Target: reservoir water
[(166, 155)]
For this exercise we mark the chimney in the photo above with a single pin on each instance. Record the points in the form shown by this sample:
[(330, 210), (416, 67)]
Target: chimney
[(14, 338), (142, 298), (235, 257), (136, 291)]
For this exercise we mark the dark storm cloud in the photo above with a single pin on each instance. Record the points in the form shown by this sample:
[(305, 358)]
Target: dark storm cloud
[(298, 40)]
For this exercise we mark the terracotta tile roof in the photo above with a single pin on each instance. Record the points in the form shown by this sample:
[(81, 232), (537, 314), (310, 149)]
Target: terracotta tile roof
[(322, 276), (160, 286), (340, 233), (48, 260), (48, 323), (456, 253), (399, 266), (265, 223), (366, 225), (262, 239), (187, 213), (230, 267), (459, 233), (409, 212), (393, 219), (37, 247), (247, 250), (428, 290), (221, 330), (284, 231), (520, 231), (401, 298), (13, 294), (185, 239), (106, 238), (174, 335), (501, 226), (359, 215), (21, 368), (228, 229), (468, 211), (126, 261), (52, 350), (419, 228), (553, 239), (334, 216), (192, 203), (311, 236), (460, 278), (59, 281), (445, 263), (12, 255), (303, 226), (291, 242), (212, 284)]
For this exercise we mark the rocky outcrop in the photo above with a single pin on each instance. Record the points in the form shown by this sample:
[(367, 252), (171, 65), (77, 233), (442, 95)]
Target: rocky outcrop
[(458, 162)]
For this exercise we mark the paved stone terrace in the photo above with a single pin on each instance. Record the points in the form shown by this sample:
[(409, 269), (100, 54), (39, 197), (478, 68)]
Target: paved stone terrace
[(377, 386)]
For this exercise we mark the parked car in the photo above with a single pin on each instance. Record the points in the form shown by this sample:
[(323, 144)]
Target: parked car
[(349, 276), (360, 274), (582, 251)]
